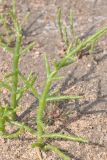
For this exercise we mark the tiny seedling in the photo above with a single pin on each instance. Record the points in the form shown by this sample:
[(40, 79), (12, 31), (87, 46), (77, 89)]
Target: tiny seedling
[(8, 113)]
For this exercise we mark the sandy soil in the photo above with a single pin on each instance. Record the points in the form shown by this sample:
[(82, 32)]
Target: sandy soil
[(87, 76)]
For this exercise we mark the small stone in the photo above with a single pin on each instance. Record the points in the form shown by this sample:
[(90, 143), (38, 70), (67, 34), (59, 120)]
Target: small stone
[(89, 65)]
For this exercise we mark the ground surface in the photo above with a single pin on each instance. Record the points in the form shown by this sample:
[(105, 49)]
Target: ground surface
[(85, 77)]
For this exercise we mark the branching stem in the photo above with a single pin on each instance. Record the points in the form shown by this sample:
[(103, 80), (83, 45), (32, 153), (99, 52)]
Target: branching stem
[(42, 106), (16, 56)]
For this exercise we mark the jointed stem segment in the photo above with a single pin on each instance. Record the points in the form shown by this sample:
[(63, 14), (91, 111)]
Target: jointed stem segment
[(8, 113), (42, 106), (16, 57), (52, 148), (65, 137)]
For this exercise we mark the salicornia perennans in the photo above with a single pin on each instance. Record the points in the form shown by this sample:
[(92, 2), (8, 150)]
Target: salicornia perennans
[(8, 113)]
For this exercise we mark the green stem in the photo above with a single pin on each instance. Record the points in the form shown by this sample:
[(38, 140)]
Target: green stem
[(2, 125), (65, 137), (21, 128), (16, 56), (11, 135), (24, 126), (29, 86), (69, 58), (62, 98), (57, 151), (42, 106), (14, 6)]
